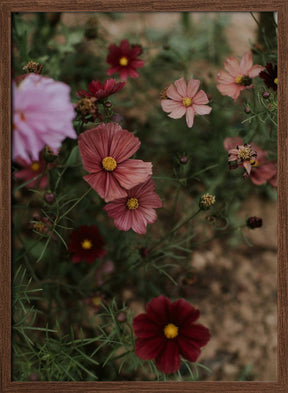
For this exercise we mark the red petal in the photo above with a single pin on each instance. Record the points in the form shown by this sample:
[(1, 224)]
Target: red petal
[(123, 145), (188, 349), (150, 348), (145, 327), (169, 359), (181, 310), (158, 309), (130, 173), (199, 334)]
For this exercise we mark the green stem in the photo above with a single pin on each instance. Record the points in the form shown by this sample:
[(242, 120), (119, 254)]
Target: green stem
[(75, 204)]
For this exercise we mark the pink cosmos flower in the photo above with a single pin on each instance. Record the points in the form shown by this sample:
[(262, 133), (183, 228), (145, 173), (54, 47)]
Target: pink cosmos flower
[(184, 99), (99, 91), (137, 209), (105, 152), (238, 76), (123, 59), (31, 170), (42, 114), (262, 170)]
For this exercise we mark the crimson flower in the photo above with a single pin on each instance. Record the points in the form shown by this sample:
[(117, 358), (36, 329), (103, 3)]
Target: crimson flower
[(99, 91), (262, 170), (238, 76), (86, 243), (33, 169), (105, 152), (123, 59), (270, 76), (136, 210), (167, 331)]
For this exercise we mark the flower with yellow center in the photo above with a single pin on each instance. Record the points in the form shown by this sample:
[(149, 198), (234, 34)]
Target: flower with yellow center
[(86, 244), (171, 331), (132, 203), (238, 79), (245, 153), (35, 166), (187, 101), (109, 164), (123, 61)]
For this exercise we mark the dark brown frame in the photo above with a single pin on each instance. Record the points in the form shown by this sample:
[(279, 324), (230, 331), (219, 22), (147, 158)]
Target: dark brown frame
[(9, 6)]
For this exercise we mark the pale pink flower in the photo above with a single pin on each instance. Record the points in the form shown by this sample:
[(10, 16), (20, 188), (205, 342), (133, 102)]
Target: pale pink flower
[(183, 99), (262, 170), (137, 209), (105, 152), (42, 114), (238, 76)]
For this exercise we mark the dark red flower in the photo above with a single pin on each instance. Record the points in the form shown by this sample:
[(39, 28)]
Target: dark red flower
[(166, 331), (99, 91), (123, 59), (270, 76), (86, 243)]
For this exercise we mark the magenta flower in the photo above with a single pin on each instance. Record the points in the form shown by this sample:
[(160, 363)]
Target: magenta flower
[(31, 170), (136, 210), (124, 59), (167, 332), (105, 152), (238, 76), (42, 115), (183, 99), (99, 91), (262, 170)]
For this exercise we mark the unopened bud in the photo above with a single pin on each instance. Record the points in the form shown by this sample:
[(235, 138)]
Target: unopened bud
[(121, 317), (49, 197), (266, 94), (254, 222)]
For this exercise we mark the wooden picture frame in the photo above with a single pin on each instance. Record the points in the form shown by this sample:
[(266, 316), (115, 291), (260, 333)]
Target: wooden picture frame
[(7, 7)]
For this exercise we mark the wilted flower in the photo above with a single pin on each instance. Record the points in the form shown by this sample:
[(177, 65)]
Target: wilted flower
[(137, 209), (238, 76), (185, 99), (42, 114), (167, 331), (123, 59), (34, 67), (206, 201), (262, 170), (254, 222), (86, 244), (99, 91), (270, 76), (105, 152), (88, 109), (240, 155)]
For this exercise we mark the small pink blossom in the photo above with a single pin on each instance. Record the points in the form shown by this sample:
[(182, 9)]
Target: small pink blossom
[(262, 170), (238, 76), (137, 209), (31, 170), (105, 152), (42, 115), (183, 99)]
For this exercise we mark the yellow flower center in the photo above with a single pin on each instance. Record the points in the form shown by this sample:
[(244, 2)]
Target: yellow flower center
[(35, 166), (276, 81), (123, 61), (109, 164), (132, 203), (187, 101), (96, 301), (86, 244), (171, 331), (238, 79), (244, 154)]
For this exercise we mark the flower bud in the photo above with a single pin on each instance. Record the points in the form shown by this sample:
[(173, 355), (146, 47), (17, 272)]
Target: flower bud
[(206, 201), (247, 109), (121, 317), (266, 94), (49, 197), (254, 222)]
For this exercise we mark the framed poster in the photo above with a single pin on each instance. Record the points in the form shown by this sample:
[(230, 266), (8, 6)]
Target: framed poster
[(144, 190)]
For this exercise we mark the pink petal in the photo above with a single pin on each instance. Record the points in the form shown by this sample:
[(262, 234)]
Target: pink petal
[(231, 65), (231, 90), (178, 112), (105, 185), (190, 116), (148, 215), (200, 98), (169, 359), (139, 222), (202, 109), (247, 166), (173, 93), (150, 348), (130, 173), (171, 105), (246, 63), (225, 78), (123, 222), (181, 86), (123, 145), (255, 71), (230, 143), (192, 88)]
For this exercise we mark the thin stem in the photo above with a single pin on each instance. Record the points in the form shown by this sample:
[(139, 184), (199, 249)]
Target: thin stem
[(75, 204)]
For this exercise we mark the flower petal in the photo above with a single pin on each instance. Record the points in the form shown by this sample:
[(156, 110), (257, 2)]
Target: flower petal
[(130, 173), (178, 112), (181, 310), (200, 98), (225, 78), (199, 334), (231, 65), (158, 309), (168, 361), (190, 116), (172, 93), (192, 88), (230, 143), (123, 145), (144, 327), (232, 90), (255, 71), (171, 105), (246, 63), (181, 86), (202, 109), (188, 348), (148, 349)]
